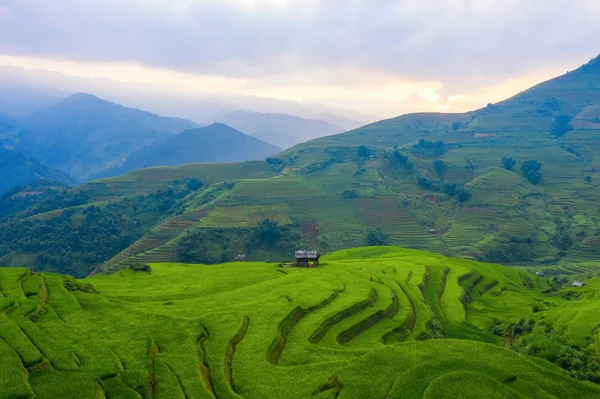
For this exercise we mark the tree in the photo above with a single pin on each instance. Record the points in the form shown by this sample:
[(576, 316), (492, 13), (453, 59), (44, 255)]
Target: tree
[(268, 232), (349, 194), (456, 125), (194, 184), (399, 160), (588, 179), (363, 151), (532, 170), (463, 194), (561, 125), (438, 165), (450, 189), (508, 163), (376, 238)]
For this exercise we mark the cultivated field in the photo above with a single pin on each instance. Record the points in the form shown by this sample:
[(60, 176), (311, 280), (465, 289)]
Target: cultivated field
[(373, 322)]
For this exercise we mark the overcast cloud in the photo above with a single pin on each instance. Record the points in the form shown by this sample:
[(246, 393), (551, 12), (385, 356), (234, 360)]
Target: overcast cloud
[(459, 46)]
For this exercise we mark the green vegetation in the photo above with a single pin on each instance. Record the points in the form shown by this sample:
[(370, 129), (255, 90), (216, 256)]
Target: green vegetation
[(81, 237), (532, 170), (365, 323), (425, 184), (19, 198), (561, 125), (268, 241), (376, 237), (508, 163)]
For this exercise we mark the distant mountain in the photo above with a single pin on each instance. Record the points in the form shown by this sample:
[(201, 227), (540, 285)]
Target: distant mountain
[(17, 169), (20, 100), (84, 135), (281, 130), (516, 182), (344, 123), (8, 127), (214, 143)]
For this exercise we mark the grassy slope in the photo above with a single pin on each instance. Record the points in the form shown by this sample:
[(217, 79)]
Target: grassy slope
[(199, 332), (507, 219), (504, 205)]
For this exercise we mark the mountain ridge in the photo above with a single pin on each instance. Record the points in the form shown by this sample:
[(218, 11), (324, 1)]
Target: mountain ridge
[(83, 134), (214, 143), (282, 130), (430, 181)]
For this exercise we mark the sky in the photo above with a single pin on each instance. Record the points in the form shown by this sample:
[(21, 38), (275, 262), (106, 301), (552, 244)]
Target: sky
[(380, 57)]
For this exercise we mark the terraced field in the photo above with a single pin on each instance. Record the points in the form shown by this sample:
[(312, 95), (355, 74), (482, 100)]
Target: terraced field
[(375, 322), (380, 176)]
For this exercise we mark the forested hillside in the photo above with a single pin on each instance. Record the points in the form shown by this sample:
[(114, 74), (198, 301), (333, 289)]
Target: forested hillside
[(515, 182), (19, 198)]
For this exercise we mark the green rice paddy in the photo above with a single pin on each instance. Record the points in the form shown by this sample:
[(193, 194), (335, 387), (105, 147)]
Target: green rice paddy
[(376, 322)]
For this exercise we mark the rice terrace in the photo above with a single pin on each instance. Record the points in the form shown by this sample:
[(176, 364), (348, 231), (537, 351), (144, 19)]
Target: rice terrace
[(292, 199), (360, 325)]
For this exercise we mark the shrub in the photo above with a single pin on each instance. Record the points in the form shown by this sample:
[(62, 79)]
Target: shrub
[(463, 194), (561, 125), (268, 232), (438, 166), (349, 194), (364, 151), (532, 170), (139, 267), (508, 163), (74, 285), (376, 237)]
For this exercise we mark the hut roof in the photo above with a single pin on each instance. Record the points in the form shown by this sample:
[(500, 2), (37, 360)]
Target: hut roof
[(307, 255), (578, 284)]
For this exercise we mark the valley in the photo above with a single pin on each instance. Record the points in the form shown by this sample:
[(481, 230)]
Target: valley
[(288, 199), (500, 184)]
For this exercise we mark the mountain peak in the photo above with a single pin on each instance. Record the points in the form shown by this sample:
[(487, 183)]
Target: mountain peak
[(591, 67), (84, 98)]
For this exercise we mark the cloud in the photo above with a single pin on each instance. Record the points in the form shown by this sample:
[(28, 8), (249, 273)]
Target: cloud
[(435, 39), (444, 48)]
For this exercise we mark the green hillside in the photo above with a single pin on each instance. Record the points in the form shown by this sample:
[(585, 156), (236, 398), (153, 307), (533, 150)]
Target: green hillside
[(372, 322), (435, 182), (20, 198)]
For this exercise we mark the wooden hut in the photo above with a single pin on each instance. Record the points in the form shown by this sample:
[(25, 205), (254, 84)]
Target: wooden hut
[(307, 258)]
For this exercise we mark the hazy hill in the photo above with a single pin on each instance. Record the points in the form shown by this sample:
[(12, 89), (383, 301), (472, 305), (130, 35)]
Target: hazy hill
[(281, 130), (214, 143), (17, 169), (84, 135), (427, 181), (22, 99), (9, 128)]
